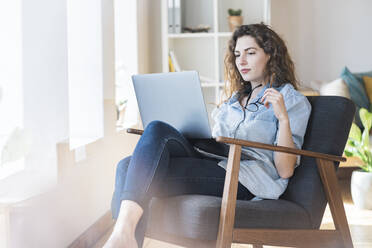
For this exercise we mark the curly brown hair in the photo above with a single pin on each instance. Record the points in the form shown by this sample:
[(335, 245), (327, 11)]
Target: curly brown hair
[(279, 69)]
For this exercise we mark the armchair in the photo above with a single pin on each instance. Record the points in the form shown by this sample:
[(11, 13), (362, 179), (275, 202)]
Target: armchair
[(292, 220)]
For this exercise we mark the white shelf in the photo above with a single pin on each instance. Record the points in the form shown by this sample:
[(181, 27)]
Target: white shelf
[(224, 34), (190, 35), (199, 35)]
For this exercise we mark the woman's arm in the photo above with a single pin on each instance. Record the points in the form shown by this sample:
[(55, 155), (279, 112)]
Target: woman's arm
[(284, 162)]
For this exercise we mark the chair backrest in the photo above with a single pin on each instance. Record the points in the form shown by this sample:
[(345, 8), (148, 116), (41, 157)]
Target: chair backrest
[(327, 132)]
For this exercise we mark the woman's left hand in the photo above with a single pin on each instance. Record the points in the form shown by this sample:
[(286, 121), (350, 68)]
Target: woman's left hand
[(277, 101)]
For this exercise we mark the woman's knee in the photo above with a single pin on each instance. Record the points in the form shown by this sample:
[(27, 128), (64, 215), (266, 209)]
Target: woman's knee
[(159, 128), (123, 165)]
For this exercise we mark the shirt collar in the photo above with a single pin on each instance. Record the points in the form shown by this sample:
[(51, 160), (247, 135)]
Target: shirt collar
[(260, 94), (234, 97)]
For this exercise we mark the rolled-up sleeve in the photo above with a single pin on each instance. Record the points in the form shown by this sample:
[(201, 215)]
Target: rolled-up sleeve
[(218, 126)]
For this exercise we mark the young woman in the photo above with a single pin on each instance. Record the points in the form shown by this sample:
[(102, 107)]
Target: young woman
[(262, 105)]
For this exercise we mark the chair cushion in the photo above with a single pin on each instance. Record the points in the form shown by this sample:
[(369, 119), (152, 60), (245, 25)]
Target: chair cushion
[(197, 216)]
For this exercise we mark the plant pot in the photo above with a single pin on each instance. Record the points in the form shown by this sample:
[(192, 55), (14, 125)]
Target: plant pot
[(234, 22), (361, 189)]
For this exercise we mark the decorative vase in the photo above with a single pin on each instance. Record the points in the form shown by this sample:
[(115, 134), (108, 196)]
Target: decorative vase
[(361, 189), (234, 22)]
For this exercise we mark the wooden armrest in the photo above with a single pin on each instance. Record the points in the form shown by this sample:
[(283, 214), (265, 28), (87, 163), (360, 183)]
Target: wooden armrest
[(135, 131), (265, 146), (280, 149)]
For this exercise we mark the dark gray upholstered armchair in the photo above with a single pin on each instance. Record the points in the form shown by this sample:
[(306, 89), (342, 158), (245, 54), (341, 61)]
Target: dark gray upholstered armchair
[(294, 219)]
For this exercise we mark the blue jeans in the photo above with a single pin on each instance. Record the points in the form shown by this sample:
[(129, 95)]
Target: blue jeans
[(164, 163)]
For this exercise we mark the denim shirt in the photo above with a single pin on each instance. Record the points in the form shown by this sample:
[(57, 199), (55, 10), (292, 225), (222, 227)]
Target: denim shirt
[(259, 174)]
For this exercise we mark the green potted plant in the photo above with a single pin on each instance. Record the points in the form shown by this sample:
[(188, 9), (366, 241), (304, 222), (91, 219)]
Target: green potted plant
[(235, 18), (358, 146)]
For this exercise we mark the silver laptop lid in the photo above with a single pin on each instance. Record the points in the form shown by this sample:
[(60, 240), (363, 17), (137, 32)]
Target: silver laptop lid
[(175, 98)]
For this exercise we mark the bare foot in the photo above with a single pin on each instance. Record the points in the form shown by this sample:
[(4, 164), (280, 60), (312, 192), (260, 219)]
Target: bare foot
[(121, 240), (125, 226)]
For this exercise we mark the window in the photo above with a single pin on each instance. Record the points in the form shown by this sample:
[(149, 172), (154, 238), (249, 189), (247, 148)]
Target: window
[(11, 90), (85, 71), (51, 80), (126, 61)]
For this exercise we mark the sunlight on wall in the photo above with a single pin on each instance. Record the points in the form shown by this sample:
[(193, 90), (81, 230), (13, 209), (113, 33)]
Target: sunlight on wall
[(85, 71), (126, 61), (11, 90), (39, 80)]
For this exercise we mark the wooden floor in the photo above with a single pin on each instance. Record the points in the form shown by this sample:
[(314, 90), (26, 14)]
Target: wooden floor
[(360, 223)]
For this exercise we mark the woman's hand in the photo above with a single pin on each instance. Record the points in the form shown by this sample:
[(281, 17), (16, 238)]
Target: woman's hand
[(277, 101)]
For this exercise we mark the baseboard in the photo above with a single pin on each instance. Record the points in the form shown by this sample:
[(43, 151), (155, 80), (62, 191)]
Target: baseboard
[(93, 234)]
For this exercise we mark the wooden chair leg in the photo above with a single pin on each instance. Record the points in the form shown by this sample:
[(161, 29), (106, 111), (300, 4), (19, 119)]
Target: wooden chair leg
[(331, 187), (227, 214)]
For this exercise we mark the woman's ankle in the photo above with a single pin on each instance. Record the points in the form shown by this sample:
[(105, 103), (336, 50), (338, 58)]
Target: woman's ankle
[(129, 216)]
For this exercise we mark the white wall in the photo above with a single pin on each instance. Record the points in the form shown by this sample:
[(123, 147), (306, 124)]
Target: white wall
[(154, 41), (109, 50), (325, 35), (143, 11)]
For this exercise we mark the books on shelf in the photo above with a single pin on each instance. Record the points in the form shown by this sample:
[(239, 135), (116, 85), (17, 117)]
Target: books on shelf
[(171, 66), (174, 16), (174, 61)]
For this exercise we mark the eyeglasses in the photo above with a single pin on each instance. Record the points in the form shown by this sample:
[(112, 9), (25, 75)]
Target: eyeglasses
[(254, 106)]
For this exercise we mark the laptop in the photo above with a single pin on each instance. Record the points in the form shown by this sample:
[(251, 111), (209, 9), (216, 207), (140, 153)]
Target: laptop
[(175, 98)]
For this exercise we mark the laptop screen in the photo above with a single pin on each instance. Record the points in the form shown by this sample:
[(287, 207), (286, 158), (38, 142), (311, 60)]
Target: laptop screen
[(175, 98)]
